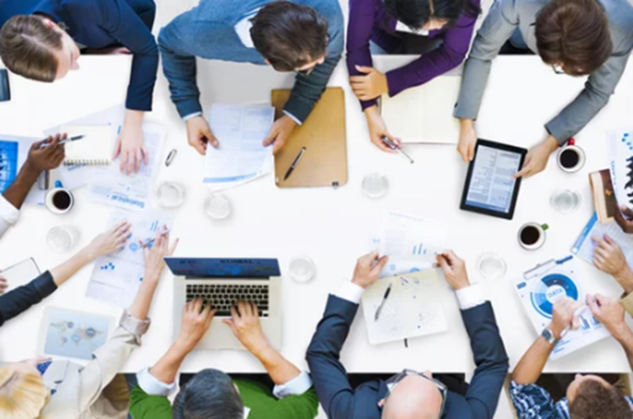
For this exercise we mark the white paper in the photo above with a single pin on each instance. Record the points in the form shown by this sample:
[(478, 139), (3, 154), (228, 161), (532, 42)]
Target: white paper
[(412, 238), (399, 265), (620, 146), (584, 247), (414, 308), (241, 156), (116, 278), (110, 186)]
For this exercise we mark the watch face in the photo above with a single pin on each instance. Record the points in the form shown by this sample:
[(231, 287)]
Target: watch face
[(548, 336)]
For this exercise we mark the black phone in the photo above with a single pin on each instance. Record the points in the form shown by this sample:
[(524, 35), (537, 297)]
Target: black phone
[(5, 91)]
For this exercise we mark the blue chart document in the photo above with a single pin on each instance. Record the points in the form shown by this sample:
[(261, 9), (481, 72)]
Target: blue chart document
[(584, 246), (492, 185), (8, 163)]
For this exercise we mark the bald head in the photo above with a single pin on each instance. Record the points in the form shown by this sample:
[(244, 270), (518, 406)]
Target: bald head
[(413, 398)]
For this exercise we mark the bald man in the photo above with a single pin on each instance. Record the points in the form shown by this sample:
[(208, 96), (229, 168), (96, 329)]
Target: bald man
[(409, 394)]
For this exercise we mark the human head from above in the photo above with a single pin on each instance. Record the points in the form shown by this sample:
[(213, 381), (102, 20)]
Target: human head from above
[(37, 48), (22, 391), (290, 36), (209, 395), (573, 36), (430, 15), (591, 397), (413, 395)]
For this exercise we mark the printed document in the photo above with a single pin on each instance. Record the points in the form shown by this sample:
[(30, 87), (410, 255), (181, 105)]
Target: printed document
[(408, 237), (620, 146), (584, 246), (241, 156)]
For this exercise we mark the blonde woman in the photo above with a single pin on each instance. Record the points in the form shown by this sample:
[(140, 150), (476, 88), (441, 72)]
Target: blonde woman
[(64, 390)]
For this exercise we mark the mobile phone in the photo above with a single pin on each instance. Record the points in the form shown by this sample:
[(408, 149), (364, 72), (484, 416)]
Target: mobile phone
[(5, 91)]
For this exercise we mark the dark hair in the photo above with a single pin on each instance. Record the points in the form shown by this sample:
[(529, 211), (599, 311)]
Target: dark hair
[(25, 47), (416, 13), (289, 35), (595, 401), (209, 395), (574, 34)]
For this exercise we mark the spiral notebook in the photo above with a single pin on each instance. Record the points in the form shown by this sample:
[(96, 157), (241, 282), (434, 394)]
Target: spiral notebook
[(95, 148)]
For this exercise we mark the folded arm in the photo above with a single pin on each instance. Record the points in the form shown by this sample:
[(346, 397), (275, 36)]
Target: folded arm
[(22, 298), (359, 29)]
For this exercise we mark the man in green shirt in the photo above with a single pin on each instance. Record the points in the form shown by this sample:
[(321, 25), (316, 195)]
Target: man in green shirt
[(211, 393)]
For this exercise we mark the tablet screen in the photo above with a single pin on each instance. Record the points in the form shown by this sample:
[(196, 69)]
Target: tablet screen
[(491, 184)]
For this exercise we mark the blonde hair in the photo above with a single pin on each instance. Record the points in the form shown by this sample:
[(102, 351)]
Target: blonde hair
[(22, 396)]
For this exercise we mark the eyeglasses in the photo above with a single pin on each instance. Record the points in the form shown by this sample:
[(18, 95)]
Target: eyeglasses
[(393, 382), (558, 69)]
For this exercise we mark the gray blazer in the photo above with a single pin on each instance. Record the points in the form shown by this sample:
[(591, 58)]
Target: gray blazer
[(504, 18)]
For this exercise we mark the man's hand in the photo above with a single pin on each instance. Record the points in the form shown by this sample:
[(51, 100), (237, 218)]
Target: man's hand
[(563, 316), (108, 242), (280, 133), (610, 313), (47, 158), (3, 285), (130, 144), (378, 129), (368, 269), (196, 319), (536, 159), (199, 134), (155, 255), (467, 140), (370, 86), (454, 270), (608, 256), (244, 323), (624, 218)]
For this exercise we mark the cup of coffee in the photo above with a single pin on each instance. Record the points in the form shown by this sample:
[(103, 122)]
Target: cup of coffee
[(532, 235), (571, 158), (59, 200)]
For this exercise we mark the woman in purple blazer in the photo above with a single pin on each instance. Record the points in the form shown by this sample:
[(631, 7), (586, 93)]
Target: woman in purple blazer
[(388, 23)]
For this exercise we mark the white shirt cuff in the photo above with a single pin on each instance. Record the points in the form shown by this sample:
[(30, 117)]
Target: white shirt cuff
[(295, 387), (350, 292), (294, 118), (470, 297), (8, 212), (191, 115), (152, 386)]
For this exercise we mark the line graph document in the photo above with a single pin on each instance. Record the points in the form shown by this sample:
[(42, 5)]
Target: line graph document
[(241, 156), (584, 247), (409, 237)]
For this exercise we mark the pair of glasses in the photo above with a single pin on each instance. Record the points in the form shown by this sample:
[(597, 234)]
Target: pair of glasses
[(393, 382)]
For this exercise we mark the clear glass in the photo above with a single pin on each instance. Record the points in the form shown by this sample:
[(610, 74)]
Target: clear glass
[(491, 266), (565, 201), (302, 269), (375, 185), (170, 194), (217, 206), (62, 238)]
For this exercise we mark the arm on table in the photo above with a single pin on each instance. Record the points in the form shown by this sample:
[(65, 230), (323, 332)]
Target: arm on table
[(359, 29)]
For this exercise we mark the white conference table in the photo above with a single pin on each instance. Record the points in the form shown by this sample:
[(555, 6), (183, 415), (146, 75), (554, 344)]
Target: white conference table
[(330, 226)]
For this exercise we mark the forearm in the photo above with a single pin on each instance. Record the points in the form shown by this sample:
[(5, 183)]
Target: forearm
[(530, 367), (180, 72), (133, 118), (279, 368), (61, 273), (625, 278), (167, 367), (17, 192), (625, 337), (143, 300)]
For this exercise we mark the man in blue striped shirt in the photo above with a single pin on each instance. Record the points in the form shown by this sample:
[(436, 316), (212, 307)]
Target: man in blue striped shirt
[(588, 396)]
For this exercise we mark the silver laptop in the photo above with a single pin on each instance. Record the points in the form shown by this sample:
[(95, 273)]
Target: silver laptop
[(222, 282)]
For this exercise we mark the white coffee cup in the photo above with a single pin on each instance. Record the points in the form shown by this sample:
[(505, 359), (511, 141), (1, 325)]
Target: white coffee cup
[(570, 157), (531, 236), (59, 200)]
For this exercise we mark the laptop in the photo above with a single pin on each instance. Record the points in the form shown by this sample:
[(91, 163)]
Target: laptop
[(222, 282)]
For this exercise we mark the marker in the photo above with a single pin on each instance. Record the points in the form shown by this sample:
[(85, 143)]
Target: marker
[(64, 141), (393, 146), (382, 303), (150, 241), (295, 163)]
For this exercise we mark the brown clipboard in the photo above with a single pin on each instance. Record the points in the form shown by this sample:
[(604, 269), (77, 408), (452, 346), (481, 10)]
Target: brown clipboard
[(324, 163)]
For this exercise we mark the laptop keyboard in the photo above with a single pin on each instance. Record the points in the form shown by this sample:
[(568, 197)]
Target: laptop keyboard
[(222, 297)]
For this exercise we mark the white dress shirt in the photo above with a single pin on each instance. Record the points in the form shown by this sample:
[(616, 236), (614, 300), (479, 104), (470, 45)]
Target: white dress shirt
[(401, 27), (8, 215)]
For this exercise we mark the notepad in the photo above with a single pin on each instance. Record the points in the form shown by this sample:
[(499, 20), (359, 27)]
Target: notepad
[(94, 149), (424, 114)]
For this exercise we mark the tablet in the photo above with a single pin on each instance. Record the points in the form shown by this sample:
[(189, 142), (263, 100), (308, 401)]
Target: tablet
[(489, 187)]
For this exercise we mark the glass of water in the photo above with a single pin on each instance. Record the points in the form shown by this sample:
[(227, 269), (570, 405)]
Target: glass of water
[(565, 201), (62, 238), (375, 185)]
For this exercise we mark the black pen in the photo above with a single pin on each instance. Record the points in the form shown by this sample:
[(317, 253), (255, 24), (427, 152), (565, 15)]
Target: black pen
[(64, 141), (393, 146), (382, 303), (294, 163)]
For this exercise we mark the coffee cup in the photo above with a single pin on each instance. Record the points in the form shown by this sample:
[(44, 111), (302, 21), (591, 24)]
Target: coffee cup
[(532, 235), (59, 200), (570, 158)]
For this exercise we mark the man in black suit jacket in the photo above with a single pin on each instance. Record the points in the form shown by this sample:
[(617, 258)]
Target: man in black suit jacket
[(417, 395)]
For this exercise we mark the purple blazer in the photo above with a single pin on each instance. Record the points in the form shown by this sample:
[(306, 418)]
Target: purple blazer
[(368, 20)]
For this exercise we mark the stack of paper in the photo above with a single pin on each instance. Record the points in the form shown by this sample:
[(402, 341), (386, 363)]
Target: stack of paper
[(621, 165), (241, 156)]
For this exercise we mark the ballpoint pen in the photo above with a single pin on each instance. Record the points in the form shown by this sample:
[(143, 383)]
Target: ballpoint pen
[(393, 146), (64, 141), (152, 240), (382, 303), (295, 163), (578, 313)]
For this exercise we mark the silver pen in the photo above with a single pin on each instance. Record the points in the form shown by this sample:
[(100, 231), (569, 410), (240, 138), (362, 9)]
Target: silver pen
[(382, 303), (393, 146)]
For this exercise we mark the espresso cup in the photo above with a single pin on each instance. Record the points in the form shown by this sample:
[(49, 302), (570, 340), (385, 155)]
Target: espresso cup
[(532, 235), (570, 158), (59, 200)]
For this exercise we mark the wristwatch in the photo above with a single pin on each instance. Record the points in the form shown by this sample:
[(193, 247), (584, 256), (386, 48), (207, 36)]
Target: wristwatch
[(549, 337)]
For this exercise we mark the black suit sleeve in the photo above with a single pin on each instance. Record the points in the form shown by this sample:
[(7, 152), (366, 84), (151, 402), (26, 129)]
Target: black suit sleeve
[(22, 298), (328, 373), (491, 360)]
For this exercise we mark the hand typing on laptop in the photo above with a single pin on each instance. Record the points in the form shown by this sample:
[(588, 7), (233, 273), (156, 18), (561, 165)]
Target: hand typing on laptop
[(244, 323)]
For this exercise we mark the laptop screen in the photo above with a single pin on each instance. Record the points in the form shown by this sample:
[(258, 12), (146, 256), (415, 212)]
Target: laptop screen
[(223, 267)]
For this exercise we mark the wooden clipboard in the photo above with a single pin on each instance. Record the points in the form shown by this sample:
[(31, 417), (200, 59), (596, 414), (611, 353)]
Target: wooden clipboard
[(324, 163)]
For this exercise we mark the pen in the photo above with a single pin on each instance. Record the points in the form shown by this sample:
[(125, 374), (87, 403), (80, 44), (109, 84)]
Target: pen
[(64, 141), (295, 163), (152, 240), (382, 303), (578, 313), (393, 146)]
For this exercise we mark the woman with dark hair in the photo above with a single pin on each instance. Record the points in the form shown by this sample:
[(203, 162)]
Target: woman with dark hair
[(448, 25)]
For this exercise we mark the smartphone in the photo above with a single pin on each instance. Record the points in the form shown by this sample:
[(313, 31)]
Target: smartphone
[(5, 91)]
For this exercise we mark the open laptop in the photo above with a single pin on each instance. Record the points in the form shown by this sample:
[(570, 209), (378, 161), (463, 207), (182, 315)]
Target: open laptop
[(223, 282)]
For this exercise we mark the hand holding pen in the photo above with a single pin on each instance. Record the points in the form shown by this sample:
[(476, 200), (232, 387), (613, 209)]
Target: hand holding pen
[(62, 139), (46, 154), (396, 147)]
